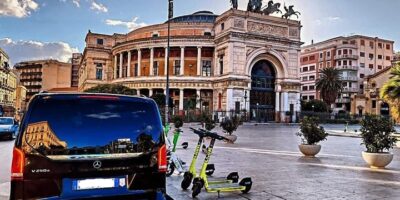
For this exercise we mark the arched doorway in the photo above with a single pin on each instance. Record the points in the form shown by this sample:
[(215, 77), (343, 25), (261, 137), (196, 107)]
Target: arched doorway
[(385, 109), (262, 95)]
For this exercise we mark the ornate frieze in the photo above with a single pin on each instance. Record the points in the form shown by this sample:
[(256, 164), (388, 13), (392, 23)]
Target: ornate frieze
[(293, 32), (266, 29), (238, 23)]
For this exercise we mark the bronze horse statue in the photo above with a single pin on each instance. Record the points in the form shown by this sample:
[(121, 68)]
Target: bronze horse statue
[(271, 8), (289, 12), (254, 6), (234, 4)]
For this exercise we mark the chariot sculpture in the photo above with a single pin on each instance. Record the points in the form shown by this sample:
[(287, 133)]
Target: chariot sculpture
[(257, 7)]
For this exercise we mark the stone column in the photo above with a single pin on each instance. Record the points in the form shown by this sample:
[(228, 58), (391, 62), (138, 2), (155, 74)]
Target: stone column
[(165, 61), (182, 61), (115, 66), (121, 59), (198, 97), (138, 92), (277, 106), (180, 99), (284, 105), (198, 61), (129, 64), (139, 61), (151, 61), (150, 92)]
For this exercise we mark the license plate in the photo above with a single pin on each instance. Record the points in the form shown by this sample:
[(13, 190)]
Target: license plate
[(98, 183)]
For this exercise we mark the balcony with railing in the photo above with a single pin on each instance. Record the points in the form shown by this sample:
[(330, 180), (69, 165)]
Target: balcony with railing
[(347, 46), (349, 78), (346, 56), (350, 90), (347, 67)]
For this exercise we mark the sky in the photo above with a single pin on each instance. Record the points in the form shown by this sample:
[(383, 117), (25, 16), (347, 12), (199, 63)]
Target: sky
[(38, 29)]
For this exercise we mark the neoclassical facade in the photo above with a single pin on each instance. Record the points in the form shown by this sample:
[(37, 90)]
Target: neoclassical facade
[(232, 62)]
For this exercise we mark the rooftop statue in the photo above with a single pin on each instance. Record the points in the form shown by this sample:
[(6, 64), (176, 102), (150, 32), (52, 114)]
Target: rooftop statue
[(271, 8), (290, 12), (254, 6), (234, 4)]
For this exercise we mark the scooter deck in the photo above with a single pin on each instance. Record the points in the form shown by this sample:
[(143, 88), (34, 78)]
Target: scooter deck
[(225, 187), (218, 180)]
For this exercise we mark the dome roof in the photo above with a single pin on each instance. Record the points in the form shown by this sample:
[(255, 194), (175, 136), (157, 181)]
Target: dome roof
[(200, 16)]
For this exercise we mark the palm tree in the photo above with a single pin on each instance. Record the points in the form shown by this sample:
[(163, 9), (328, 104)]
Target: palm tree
[(390, 92), (329, 84), (111, 89)]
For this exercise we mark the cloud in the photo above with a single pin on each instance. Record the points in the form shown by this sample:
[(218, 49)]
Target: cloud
[(77, 3), (333, 18), (34, 50), (98, 7), (104, 115), (131, 25), (17, 8)]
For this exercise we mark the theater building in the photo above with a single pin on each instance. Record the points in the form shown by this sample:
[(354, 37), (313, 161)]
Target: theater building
[(236, 61)]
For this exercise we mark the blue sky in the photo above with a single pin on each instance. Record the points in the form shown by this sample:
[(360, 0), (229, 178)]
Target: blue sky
[(35, 29)]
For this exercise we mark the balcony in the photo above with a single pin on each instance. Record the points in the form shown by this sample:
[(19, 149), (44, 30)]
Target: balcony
[(342, 100), (347, 67), (346, 56), (350, 90), (349, 78), (347, 46)]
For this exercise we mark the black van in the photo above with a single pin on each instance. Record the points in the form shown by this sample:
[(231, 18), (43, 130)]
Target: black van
[(74, 146)]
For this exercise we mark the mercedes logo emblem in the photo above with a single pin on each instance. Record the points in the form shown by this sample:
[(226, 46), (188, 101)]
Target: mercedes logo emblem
[(97, 164)]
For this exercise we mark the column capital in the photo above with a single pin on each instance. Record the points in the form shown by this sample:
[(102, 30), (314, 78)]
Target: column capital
[(139, 50), (182, 47), (199, 47)]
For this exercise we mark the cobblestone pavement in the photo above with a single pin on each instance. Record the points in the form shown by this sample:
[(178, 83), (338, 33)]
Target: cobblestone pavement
[(269, 154)]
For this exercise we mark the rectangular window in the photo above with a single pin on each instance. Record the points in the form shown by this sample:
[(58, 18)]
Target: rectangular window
[(371, 66), (177, 67), (99, 71), (362, 65), (304, 98), (100, 41), (311, 87), (155, 68), (312, 67), (321, 55), (388, 46), (373, 103), (312, 97), (221, 65), (328, 54), (345, 52), (380, 45), (387, 57), (362, 42), (371, 44), (362, 54), (305, 78), (304, 88), (340, 52), (305, 59), (305, 69), (380, 57), (379, 66), (371, 56), (339, 63), (344, 62), (206, 68), (312, 57), (328, 64), (361, 75), (136, 69), (222, 26), (311, 78)]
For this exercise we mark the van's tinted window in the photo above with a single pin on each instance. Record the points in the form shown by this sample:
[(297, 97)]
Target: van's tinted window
[(91, 125)]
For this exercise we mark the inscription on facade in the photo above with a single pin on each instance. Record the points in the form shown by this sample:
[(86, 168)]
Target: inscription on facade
[(266, 29), (239, 23), (293, 32)]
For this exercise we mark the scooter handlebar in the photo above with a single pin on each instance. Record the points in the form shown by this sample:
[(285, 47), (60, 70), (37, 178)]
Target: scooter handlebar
[(214, 135)]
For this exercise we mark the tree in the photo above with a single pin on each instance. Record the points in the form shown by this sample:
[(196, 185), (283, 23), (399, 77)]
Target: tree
[(160, 100), (329, 84), (112, 89), (319, 106), (390, 92)]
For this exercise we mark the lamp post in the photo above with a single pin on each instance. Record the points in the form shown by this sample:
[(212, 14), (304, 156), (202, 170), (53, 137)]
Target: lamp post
[(245, 104), (170, 15)]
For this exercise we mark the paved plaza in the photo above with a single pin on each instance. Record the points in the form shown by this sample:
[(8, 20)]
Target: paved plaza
[(269, 154)]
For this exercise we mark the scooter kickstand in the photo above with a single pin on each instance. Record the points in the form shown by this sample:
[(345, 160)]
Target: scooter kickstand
[(219, 195)]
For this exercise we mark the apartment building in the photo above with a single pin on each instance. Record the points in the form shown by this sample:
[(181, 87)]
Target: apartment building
[(8, 83), (76, 60), (44, 75), (355, 56)]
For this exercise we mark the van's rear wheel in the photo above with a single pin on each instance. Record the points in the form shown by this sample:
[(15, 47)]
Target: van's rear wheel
[(171, 169)]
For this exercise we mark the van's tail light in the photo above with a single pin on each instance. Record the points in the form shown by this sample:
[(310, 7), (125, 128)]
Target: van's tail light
[(17, 165), (162, 159)]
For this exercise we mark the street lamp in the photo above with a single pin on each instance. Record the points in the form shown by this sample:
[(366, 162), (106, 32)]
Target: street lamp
[(245, 104), (170, 15)]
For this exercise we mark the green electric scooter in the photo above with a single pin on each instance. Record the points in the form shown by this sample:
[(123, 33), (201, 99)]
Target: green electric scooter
[(203, 181), (209, 169)]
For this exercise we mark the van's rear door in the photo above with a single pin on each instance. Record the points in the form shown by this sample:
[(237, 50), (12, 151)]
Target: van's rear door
[(83, 144)]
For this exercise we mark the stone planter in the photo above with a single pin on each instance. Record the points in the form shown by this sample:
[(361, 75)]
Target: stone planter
[(232, 138), (377, 160), (310, 150)]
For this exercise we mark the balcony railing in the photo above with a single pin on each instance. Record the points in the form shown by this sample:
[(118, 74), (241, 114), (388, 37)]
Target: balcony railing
[(350, 90), (349, 78), (347, 67), (342, 101), (346, 56), (347, 46)]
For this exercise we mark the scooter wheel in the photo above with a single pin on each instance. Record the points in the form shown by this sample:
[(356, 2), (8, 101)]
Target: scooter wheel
[(171, 169), (185, 145), (196, 188), (187, 179)]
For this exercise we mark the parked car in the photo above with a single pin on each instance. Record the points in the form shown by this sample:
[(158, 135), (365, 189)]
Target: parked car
[(8, 128), (74, 146)]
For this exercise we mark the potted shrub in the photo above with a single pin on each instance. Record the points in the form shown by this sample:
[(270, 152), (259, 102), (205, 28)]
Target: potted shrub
[(207, 122), (376, 134), (311, 134), (230, 125)]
